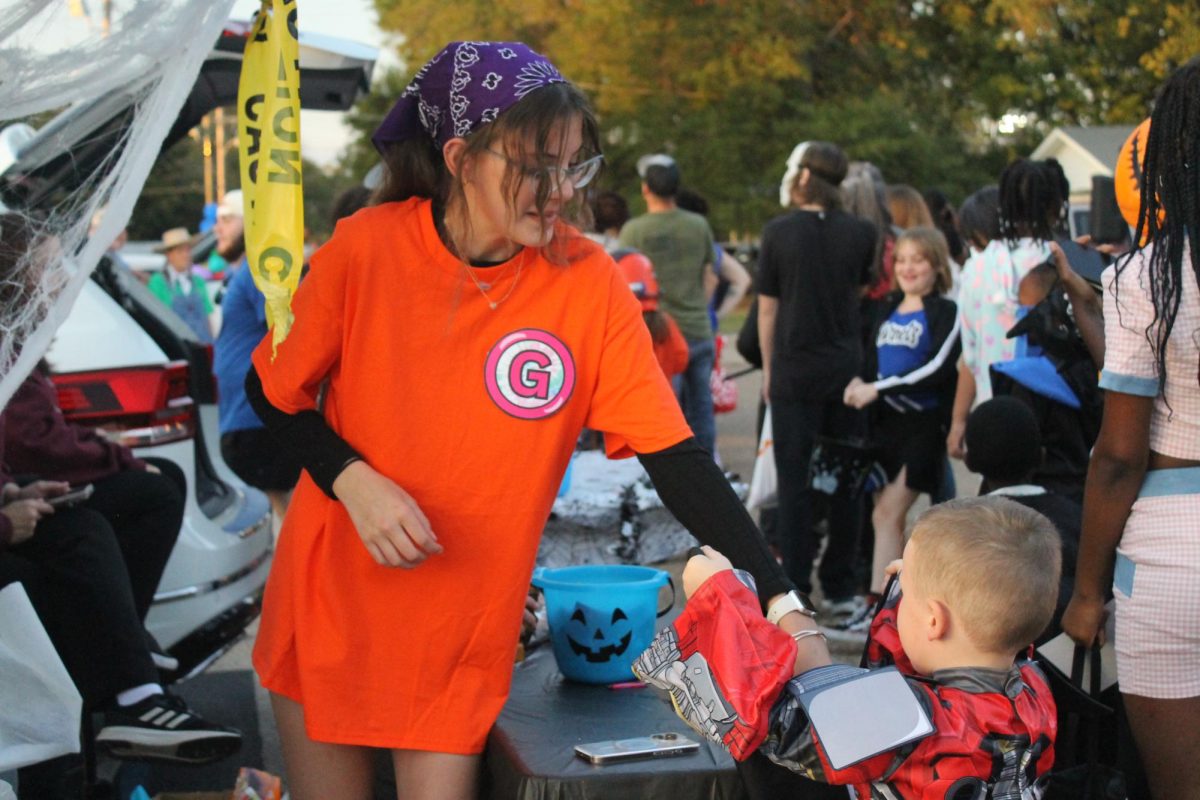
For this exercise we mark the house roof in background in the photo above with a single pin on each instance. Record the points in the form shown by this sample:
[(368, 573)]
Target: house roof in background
[(1101, 142)]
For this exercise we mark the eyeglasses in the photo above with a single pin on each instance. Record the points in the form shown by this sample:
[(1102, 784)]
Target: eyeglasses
[(580, 175)]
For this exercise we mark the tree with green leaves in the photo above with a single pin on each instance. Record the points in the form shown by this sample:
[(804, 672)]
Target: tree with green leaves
[(729, 88)]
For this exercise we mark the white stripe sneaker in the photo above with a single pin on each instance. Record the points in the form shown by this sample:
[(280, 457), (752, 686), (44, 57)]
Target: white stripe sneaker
[(163, 728)]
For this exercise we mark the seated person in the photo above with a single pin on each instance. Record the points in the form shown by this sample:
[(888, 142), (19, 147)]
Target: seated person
[(1004, 446), (953, 631), (68, 561), (142, 500)]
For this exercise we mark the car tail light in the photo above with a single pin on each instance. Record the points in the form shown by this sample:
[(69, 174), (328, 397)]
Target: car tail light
[(135, 406)]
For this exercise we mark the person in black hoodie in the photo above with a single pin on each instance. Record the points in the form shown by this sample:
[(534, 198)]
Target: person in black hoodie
[(909, 384)]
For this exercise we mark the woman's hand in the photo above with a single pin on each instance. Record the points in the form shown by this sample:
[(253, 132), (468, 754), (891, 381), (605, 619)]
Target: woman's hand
[(41, 490), (1084, 620), (854, 383), (1061, 265), (700, 568), (860, 394), (390, 523), (24, 516)]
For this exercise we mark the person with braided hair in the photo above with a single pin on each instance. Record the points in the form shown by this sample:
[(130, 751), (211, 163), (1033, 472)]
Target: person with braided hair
[(1033, 204), (1143, 486)]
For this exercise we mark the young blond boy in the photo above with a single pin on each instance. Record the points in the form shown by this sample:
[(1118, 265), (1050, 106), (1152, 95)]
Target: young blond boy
[(978, 582)]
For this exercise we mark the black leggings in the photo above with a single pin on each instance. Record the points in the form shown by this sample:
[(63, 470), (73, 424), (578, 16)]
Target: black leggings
[(795, 426)]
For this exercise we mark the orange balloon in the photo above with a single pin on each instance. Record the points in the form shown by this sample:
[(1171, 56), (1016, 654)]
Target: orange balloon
[(1127, 175)]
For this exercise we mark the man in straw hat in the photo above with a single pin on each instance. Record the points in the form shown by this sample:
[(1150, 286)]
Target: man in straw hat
[(185, 293)]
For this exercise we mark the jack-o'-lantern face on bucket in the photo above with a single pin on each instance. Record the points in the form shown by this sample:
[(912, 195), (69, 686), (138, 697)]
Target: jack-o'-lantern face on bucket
[(598, 636)]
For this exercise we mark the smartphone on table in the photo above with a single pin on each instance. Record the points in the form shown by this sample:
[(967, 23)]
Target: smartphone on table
[(658, 745), (74, 497)]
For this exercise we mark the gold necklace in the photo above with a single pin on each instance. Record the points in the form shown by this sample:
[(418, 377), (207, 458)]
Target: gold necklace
[(494, 304)]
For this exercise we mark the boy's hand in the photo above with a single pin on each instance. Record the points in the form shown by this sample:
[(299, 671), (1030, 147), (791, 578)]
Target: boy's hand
[(893, 568), (701, 567)]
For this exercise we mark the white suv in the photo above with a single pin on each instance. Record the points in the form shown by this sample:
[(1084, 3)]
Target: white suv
[(126, 363)]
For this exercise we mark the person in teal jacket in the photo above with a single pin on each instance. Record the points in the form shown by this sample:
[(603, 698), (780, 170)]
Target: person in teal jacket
[(181, 290)]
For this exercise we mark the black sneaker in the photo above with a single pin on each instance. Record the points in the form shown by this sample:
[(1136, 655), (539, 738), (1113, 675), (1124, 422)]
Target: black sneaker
[(163, 728)]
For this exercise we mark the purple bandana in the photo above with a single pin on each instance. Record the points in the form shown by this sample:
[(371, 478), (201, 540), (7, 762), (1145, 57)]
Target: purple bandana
[(466, 85)]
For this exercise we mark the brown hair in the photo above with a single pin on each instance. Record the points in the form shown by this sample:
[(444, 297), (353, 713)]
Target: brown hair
[(656, 321), (995, 564), (827, 165), (18, 241), (932, 245), (416, 167), (907, 206)]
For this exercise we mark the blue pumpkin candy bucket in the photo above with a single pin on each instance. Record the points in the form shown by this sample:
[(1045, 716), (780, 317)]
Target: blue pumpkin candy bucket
[(601, 617)]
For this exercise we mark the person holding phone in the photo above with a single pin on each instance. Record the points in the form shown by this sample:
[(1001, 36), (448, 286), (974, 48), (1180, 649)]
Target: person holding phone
[(69, 563), (141, 499)]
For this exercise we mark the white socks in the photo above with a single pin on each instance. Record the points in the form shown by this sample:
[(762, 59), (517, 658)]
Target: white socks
[(131, 697)]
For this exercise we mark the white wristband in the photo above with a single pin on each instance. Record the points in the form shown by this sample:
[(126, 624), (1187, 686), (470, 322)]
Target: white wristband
[(787, 604)]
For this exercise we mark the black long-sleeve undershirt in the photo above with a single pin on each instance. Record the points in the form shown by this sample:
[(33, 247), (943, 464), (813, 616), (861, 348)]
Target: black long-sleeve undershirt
[(307, 436), (687, 480)]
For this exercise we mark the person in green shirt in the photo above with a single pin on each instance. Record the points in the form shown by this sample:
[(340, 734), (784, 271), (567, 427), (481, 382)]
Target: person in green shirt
[(680, 245), (179, 289)]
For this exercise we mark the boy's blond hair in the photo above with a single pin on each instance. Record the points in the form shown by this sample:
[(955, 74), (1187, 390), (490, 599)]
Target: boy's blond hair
[(995, 564)]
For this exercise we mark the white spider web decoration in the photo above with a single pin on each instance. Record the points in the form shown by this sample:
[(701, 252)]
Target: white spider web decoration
[(59, 56)]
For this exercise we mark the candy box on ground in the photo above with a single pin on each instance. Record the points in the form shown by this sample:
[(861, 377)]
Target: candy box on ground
[(252, 784)]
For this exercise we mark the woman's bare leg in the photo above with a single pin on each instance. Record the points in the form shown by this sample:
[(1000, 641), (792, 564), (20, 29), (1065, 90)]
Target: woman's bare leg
[(1166, 732), (319, 770), (436, 776)]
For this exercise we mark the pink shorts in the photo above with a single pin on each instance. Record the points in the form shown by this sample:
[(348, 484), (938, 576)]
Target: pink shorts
[(1156, 586)]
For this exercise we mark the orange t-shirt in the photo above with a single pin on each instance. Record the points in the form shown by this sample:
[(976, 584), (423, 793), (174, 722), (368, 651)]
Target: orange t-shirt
[(672, 354), (475, 413)]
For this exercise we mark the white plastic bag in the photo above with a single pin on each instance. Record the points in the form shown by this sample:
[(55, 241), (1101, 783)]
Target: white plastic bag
[(39, 704), (764, 485)]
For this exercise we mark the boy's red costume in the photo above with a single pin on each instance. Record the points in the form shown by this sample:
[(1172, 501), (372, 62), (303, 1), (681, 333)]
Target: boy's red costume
[(729, 674)]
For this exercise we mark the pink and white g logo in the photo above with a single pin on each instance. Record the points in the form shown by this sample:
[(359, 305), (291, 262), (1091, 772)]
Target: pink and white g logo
[(529, 374)]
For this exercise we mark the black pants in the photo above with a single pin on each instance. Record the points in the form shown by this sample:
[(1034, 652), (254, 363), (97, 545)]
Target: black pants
[(145, 511), (75, 576), (765, 780), (795, 426)]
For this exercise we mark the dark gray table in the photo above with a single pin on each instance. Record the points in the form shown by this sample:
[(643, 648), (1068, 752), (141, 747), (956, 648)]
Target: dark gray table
[(531, 756)]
